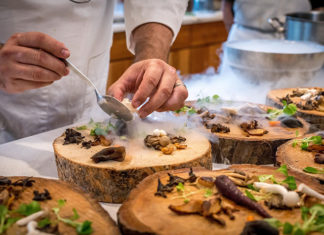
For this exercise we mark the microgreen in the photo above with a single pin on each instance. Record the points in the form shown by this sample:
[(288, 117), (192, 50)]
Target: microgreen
[(283, 170), (186, 109), (5, 220), (84, 127), (250, 195), (43, 223), (304, 143), (180, 187), (28, 209), (313, 170), (313, 221), (208, 99), (208, 193), (288, 109), (81, 228), (99, 128), (263, 178), (289, 180), (250, 186)]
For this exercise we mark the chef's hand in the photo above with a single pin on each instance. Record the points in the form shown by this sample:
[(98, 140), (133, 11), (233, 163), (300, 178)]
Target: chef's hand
[(31, 60), (153, 79)]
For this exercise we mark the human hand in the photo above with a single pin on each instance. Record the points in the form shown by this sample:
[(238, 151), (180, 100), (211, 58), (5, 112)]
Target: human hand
[(154, 79), (31, 60)]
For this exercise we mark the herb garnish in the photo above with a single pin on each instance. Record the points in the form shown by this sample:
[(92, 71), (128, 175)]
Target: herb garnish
[(208, 99), (84, 127), (313, 221), (28, 209), (250, 195), (288, 109), (81, 228), (43, 223), (304, 143), (208, 193), (290, 180), (313, 170), (186, 109), (5, 220), (99, 128)]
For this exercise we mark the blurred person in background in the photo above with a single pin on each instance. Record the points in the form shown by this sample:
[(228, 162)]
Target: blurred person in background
[(248, 19), (37, 36)]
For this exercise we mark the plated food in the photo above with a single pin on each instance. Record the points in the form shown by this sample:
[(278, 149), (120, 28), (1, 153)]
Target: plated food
[(309, 101), (30, 205), (304, 154), (246, 132), (238, 200), (109, 165)]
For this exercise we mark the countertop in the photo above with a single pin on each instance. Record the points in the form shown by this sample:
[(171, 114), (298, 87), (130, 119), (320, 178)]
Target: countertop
[(34, 156), (192, 18)]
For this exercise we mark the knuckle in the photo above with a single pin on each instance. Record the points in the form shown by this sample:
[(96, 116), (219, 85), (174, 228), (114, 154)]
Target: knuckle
[(16, 36), (6, 52), (166, 92), (36, 74), (40, 57), (152, 81)]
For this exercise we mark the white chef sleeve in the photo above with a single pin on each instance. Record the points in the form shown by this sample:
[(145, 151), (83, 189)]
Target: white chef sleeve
[(167, 12)]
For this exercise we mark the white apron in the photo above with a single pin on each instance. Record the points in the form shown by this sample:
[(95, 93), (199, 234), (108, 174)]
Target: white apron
[(86, 29), (250, 17)]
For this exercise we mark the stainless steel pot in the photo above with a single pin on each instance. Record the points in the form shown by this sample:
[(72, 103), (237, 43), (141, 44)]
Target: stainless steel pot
[(301, 26), (272, 60)]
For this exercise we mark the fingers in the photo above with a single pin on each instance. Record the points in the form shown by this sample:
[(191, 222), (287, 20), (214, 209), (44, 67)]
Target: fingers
[(33, 73), (177, 99), (20, 85), (41, 58), (151, 79), (162, 94), (41, 41)]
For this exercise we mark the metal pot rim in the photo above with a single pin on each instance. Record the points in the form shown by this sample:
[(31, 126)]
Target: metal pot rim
[(294, 16)]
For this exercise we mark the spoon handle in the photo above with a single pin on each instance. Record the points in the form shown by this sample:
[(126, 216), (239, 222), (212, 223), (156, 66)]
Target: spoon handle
[(82, 75)]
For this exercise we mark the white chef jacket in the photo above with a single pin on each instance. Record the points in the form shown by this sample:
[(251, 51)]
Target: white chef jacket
[(86, 29), (250, 17)]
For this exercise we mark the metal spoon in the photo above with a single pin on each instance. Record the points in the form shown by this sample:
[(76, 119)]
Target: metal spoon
[(107, 103)]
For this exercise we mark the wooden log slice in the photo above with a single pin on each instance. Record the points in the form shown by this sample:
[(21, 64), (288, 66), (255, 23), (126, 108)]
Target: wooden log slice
[(144, 213), (297, 159), (235, 147), (87, 207), (111, 181), (314, 117)]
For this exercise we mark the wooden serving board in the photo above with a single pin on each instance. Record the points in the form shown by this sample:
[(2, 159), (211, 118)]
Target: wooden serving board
[(144, 213), (236, 148), (316, 118), (87, 207), (297, 159), (111, 181)]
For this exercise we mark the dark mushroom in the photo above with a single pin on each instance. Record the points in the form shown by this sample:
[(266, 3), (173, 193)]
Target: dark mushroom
[(162, 189), (42, 196), (110, 153), (290, 122), (72, 137), (319, 158), (259, 227)]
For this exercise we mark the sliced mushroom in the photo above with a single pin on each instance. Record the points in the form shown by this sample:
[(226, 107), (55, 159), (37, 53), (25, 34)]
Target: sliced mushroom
[(257, 132), (212, 206), (4, 197), (218, 219), (192, 207), (110, 153), (206, 181)]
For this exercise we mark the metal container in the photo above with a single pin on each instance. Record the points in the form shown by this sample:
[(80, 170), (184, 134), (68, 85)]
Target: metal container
[(272, 60), (302, 26)]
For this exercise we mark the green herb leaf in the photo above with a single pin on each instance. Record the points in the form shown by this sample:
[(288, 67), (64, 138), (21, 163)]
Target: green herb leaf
[(287, 228), (250, 195), (291, 182), (28, 209), (75, 215), (208, 193), (215, 97), (180, 187), (297, 133), (263, 178), (61, 202), (186, 200), (273, 222), (304, 212), (84, 127), (43, 223), (283, 170), (313, 170), (250, 186), (290, 109), (84, 228)]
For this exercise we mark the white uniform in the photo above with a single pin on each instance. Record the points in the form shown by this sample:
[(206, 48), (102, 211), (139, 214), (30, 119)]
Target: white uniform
[(250, 17), (86, 29)]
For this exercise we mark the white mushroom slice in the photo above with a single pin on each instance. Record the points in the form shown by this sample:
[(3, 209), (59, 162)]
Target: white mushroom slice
[(129, 105), (309, 192), (31, 229), (290, 198), (26, 220), (163, 133), (156, 132)]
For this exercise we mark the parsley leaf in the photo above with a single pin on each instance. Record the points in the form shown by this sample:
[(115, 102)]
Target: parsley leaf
[(84, 228), (250, 195), (291, 182), (43, 223), (180, 187), (283, 170), (5, 220), (28, 209), (208, 193), (313, 170)]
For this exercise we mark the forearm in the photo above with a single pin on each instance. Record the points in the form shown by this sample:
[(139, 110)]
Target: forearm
[(152, 41), (227, 9)]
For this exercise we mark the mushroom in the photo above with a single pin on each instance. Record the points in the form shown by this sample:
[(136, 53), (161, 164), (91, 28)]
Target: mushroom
[(206, 181), (290, 198), (24, 221), (31, 228), (111, 153), (310, 192), (192, 207), (4, 197), (164, 141)]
